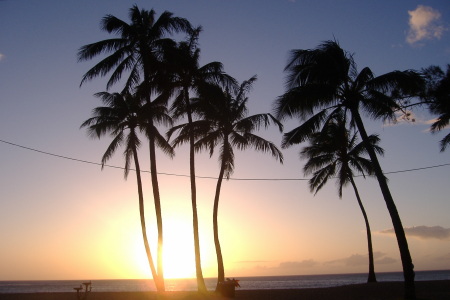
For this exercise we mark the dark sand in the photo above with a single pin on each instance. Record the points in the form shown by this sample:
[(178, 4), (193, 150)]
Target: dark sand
[(425, 290)]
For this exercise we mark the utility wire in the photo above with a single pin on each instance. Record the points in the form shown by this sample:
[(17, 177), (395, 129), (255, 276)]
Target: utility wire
[(201, 177)]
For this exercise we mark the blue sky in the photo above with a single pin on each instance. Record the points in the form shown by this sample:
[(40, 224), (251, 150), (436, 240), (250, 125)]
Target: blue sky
[(70, 213)]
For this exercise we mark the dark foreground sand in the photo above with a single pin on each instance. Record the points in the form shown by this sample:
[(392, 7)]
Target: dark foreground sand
[(426, 290)]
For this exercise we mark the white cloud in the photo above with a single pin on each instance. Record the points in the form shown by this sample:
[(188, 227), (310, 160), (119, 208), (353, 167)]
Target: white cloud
[(2, 56), (424, 232), (424, 24), (409, 117), (401, 117)]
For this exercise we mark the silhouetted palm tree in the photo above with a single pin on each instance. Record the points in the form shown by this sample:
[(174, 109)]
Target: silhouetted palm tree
[(325, 80), (224, 122), (334, 153), (437, 98), (189, 76), (139, 50), (120, 119)]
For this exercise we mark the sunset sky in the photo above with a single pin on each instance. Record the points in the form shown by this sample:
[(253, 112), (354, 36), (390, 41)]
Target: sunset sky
[(62, 218)]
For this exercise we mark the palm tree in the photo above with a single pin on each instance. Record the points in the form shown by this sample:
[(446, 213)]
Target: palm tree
[(188, 75), (139, 50), (120, 116), (325, 80), (333, 152), (224, 122)]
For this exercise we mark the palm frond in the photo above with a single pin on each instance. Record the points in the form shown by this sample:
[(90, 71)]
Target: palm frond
[(263, 145), (245, 87), (209, 141), (442, 122), (226, 157), (162, 143), (238, 140), (304, 131), (365, 76), (320, 178), (132, 144), (378, 105), (302, 101), (116, 142), (106, 65), (112, 24), (255, 122), (445, 142), (408, 83), (89, 51)]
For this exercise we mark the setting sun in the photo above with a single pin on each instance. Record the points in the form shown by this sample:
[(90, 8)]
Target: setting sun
[(178, 253), (178, 250)]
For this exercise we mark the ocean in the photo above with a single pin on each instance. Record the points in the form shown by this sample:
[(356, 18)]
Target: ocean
[(247, 283)]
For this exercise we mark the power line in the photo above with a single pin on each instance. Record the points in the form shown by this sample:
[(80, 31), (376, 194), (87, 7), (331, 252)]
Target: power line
[(201, 177)]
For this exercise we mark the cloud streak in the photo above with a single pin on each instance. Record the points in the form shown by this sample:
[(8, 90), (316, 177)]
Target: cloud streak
[(307, 263), (359, 260), (424, 24), (289, 267), (424, 232)]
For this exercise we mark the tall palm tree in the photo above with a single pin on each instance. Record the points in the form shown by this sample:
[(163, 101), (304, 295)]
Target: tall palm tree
[(139, 50), (224, 122), (120, 119), (325, 80), (335, 152), (189, 76)]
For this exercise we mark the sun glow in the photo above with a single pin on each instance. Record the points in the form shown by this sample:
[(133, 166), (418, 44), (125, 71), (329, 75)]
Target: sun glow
[(127, 257), (178, 253)]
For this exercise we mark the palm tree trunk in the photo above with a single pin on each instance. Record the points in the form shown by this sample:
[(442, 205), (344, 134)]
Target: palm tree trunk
[(220, 267), (372, 277), (201, 287), (408, 267), (142, 216), (157, 200)]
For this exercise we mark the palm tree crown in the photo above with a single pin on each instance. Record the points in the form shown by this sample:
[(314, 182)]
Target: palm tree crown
[(119, 115), (335, 152), (225, 113), (139, 49), (326, 79)]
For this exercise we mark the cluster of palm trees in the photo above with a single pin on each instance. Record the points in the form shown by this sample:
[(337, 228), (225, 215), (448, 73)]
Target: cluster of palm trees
[(324, 89), (159, 69), (328, 94)]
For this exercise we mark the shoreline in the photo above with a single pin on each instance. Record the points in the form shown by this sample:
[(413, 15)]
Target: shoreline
[(425, 290)]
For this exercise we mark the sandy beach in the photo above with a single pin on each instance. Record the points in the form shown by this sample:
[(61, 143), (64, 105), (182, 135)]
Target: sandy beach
[(426, 290)]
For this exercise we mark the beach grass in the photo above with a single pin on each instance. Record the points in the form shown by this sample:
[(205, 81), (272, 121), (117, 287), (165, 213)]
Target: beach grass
[(425, 290)]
